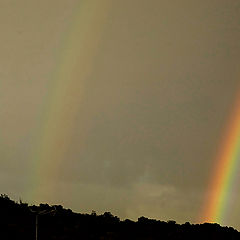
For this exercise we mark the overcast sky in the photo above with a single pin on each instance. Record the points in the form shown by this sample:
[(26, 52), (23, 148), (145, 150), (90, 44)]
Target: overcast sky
[(152, 109)]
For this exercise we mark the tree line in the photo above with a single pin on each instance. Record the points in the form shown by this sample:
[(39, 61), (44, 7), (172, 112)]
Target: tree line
[(18, 221)]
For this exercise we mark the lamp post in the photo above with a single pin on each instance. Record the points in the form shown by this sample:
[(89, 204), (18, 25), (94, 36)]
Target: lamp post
[(38, 213)]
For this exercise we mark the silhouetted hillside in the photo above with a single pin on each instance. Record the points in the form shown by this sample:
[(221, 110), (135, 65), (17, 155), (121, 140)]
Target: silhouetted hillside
[(18, 221)]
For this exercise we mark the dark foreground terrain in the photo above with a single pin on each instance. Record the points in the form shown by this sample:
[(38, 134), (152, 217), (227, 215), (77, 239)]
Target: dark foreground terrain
[(18, 221)]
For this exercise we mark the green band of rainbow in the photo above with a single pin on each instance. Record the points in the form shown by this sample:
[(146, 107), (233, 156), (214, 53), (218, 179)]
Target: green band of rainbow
[(74, 64), (225, 169)]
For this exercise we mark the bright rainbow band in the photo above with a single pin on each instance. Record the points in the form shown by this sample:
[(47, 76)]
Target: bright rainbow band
[(219, 192)]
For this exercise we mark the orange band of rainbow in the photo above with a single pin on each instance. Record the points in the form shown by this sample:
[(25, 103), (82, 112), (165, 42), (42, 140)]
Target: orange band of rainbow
[(74, 64), (225, 167)]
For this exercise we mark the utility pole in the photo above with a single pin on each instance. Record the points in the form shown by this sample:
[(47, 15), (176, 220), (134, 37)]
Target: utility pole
[(36, 227), (38, 213)]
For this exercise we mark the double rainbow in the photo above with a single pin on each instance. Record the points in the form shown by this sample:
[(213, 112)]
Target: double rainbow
[(219, 192)]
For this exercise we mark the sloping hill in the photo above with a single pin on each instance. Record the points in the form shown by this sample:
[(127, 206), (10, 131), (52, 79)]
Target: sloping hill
[(18, 221)]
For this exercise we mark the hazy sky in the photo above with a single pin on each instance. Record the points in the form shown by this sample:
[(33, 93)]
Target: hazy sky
[(150, 110)]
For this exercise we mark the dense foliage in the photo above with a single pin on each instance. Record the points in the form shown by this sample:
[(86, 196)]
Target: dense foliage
[(18, 221)]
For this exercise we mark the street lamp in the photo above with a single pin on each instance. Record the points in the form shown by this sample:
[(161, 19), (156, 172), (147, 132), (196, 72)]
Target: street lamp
[(38, 213)]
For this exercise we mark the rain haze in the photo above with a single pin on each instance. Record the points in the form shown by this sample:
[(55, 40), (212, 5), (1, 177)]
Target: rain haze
[(151, 85)]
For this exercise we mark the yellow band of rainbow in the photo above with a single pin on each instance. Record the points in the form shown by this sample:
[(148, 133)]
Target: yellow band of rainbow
[(225, 168), (74, 64)]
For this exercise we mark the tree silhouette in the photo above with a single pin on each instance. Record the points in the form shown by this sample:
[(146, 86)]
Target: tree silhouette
[(17, 221)]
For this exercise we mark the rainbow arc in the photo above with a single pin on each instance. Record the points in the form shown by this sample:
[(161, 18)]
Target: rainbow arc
[(74, 64), (225, 166)]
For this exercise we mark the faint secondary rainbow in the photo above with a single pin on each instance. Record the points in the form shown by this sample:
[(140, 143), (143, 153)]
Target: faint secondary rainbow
[(225, 167), (57, 122)]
